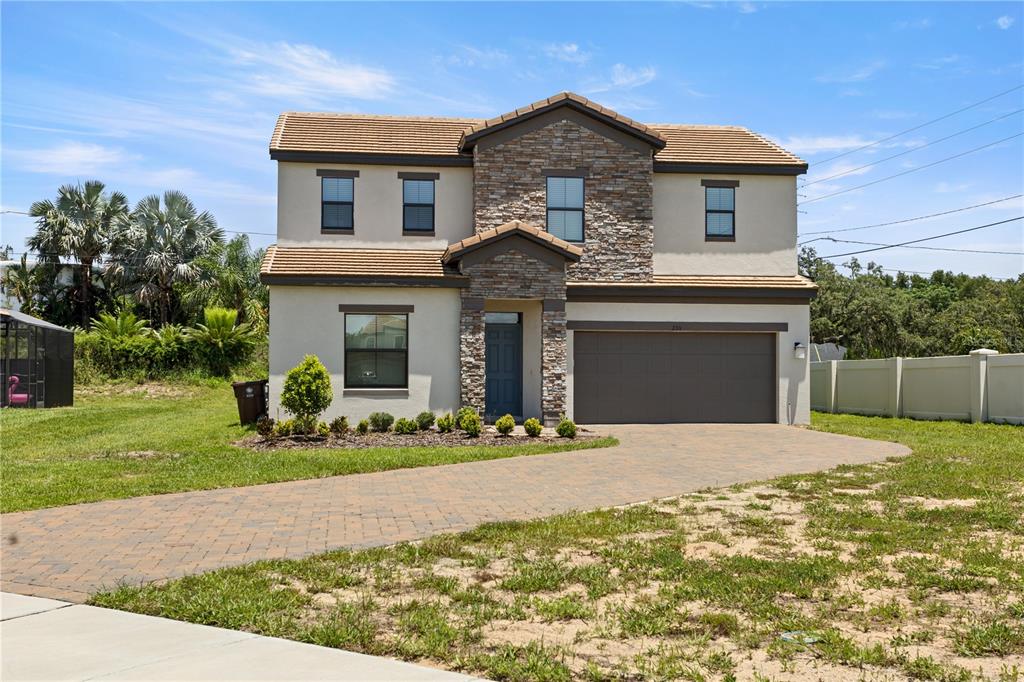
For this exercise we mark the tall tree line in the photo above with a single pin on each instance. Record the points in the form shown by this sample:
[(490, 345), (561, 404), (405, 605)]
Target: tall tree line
[(876, 314), (164, 258)]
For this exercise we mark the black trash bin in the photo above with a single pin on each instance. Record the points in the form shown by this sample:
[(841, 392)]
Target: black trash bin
[(252, 398)]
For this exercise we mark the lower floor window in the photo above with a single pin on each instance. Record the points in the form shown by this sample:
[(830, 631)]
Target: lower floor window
[(376, 351)]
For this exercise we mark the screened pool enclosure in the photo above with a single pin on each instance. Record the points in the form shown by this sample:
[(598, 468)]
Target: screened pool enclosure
[(37, 362)]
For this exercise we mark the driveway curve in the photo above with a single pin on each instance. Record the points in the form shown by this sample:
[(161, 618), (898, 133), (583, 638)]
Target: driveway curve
[(71, 552)]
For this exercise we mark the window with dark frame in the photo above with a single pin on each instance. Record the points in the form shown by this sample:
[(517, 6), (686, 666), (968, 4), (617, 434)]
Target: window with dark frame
[(376, 350), (418, 206), (565, 208), (336, 203), (720, 213)]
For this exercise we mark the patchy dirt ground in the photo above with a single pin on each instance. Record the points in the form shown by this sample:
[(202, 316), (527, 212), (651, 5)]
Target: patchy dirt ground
[(908, 569)]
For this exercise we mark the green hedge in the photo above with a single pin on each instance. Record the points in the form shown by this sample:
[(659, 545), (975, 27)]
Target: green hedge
[(159, 356)]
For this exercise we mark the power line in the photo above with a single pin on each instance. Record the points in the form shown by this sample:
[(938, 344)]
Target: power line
[(912, 170), (911, 151), (926, 239), (930, 248), (909, 220), (918, 127)]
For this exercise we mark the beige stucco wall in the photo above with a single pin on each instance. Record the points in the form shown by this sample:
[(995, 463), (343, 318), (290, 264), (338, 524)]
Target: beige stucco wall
[(793, 375), (306, 320), (377, 206), (765, 227)]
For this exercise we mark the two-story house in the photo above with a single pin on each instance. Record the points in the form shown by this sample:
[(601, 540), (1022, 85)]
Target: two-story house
[(558, 259)]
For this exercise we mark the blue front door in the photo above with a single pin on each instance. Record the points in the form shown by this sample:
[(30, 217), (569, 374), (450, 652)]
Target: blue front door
[(504, 376)]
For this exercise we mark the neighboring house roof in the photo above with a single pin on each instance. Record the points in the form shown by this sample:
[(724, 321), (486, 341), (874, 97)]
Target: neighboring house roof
[(562, 99), (514, 228), (316, 265), (361, 138)]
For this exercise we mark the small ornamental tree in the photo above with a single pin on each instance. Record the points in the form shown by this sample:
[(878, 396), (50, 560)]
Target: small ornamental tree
[(307, 392)]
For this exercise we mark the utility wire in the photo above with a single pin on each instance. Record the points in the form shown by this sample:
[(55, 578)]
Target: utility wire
[(911, 151), (930, 248), (912, 170), (909, 220), (926, 239), (918, 127)]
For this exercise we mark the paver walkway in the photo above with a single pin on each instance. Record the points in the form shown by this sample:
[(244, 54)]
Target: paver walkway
[(51, 640), (70, 552)]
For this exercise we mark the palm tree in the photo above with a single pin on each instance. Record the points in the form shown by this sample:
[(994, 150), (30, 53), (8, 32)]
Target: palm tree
[(231, 279), (22, 282), (160, 245), (77, 226)]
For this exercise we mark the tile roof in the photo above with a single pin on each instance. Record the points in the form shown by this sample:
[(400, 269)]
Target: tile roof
[(786, 282), (355, 264), (356, 134), (562, 98), (509, 229)]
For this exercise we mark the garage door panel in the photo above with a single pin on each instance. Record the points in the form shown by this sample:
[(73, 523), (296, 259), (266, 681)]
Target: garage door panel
[(674, 377)]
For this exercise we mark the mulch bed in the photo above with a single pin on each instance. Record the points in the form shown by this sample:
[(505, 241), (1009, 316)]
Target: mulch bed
[(432, 438)]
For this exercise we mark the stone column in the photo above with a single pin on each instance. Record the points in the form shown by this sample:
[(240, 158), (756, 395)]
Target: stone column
[(553, 365), (472, 354)]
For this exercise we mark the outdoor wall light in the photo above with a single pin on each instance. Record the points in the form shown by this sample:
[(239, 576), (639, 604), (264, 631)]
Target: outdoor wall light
[(799, 351)]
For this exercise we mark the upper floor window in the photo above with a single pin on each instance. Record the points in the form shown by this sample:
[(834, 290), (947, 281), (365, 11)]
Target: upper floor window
[(720, 210), (565, 208), (336, 203), (417, 205)]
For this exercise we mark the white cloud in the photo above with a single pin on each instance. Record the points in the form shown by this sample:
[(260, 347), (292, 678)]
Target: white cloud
[(468, 56), (1004, 22), (939, 62), (816, 144), (857, 75), (288, 70), (747, 8), (951, 188), (846, 169), (567, 52), (68, 158), (913, 24), (622, 77)]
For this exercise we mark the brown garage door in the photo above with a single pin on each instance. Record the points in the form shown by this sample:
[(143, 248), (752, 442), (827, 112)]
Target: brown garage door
[(664, 377)]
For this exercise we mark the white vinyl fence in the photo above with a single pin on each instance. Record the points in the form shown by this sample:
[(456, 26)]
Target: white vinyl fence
[(982, 386)]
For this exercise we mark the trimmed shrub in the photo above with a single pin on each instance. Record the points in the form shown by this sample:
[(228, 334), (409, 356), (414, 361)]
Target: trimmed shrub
[(363, 427), (339, 425), (425, 420), (322, 429), (265, 426), (505, 424), (446, 423), (462, 414), (566, 428), (307, 390), (285, 427), (472, 424), (533, 427), (406, 427), (381, 421)]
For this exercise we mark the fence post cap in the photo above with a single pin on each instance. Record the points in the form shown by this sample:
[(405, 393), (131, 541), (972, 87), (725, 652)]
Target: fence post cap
[(984, 351)]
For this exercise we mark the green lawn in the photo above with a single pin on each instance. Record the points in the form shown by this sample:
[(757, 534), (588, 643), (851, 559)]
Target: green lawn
[(912, 568), (124, 441)]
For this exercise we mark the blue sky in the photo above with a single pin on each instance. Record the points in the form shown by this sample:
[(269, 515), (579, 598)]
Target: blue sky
[(150, 96)]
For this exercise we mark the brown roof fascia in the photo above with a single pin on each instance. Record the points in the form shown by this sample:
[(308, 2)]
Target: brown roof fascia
[(372, 159), (454, 281), (733, 168), (669, 293)]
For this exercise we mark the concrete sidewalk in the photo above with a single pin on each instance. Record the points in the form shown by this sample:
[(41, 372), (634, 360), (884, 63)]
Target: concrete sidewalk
[(44, 639)]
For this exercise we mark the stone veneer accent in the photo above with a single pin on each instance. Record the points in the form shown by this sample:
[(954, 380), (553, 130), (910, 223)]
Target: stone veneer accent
[(513, 275), (509, 183)]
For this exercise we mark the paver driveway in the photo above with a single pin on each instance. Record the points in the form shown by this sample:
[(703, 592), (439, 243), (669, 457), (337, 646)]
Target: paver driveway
[(70, 552)]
